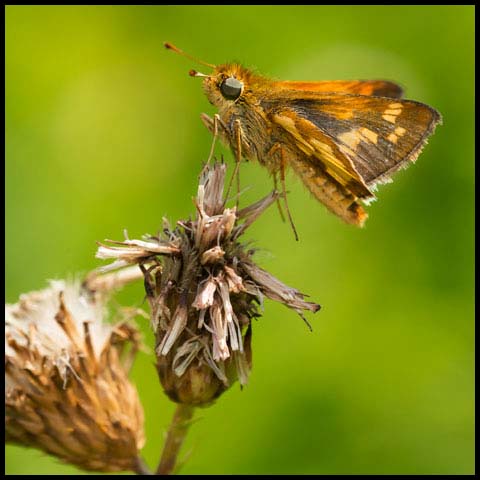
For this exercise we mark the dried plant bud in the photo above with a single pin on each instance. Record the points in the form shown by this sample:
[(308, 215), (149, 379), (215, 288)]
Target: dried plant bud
[(204, 289), (66, 386)]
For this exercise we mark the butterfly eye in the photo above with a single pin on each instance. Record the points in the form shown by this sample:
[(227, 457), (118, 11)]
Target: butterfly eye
[(231, 88)]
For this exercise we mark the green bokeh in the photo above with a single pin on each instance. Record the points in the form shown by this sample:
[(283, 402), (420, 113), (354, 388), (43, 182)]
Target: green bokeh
[(103, 133)]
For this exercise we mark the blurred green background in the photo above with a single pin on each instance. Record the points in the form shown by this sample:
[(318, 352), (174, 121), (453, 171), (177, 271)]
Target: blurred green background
[(103, 133)]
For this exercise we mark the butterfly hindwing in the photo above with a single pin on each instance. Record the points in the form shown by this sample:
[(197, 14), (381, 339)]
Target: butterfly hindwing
[(317, 145)]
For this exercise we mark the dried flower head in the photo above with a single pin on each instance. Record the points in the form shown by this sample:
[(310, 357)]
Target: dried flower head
[(67, 391), (204, 288)]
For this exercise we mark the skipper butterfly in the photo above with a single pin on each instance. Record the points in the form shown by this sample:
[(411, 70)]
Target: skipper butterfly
[(342, 138)]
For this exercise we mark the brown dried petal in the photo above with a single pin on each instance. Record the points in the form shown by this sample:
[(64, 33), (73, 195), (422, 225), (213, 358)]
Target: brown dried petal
[(133, 251), (278, 291), (206, 291), (211, 189), (252, 212), (235, 283), (179, 322), (212, 255)]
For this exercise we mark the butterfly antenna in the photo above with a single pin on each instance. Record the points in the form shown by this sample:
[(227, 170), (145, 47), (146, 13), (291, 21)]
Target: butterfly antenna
[(170, 46)]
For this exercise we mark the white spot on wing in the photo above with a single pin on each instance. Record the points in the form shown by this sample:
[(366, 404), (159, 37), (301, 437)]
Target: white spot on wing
[(392, 138), (389, 118), (368, 135), (350, 138)]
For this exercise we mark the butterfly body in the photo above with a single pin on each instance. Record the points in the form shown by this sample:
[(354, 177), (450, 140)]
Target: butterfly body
[(342, 138)]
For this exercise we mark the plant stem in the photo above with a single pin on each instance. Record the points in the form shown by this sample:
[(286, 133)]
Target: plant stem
[(176, 435)]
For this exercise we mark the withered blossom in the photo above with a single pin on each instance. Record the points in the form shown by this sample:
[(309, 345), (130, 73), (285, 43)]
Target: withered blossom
[(204, 288), (66, 386)]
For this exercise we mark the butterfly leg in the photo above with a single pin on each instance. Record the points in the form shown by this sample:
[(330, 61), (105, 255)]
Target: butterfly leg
[(216, 122), (283, 164), (272, 154), (279, 205), (213, 125), (238, 156)]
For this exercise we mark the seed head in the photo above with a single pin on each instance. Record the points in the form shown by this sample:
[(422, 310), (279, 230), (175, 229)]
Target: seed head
[(67, 391), (204, 288)]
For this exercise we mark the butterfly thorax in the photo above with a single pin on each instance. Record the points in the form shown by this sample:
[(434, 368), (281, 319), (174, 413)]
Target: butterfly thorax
[(243, 116)]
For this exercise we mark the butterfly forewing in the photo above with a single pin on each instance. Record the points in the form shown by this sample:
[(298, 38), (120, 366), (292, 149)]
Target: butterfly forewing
[(381, 88), (378, 135)]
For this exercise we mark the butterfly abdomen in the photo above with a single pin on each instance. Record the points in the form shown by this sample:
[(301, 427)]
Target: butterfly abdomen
[(332, 194)]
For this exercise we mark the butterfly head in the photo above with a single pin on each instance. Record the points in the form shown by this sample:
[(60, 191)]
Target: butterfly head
[(226, 85)]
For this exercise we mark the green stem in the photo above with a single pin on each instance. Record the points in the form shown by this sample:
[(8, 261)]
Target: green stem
[(176, 435)]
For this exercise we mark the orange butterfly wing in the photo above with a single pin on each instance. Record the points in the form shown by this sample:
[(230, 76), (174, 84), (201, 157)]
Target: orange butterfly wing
[(380, 88), (349, 143)]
